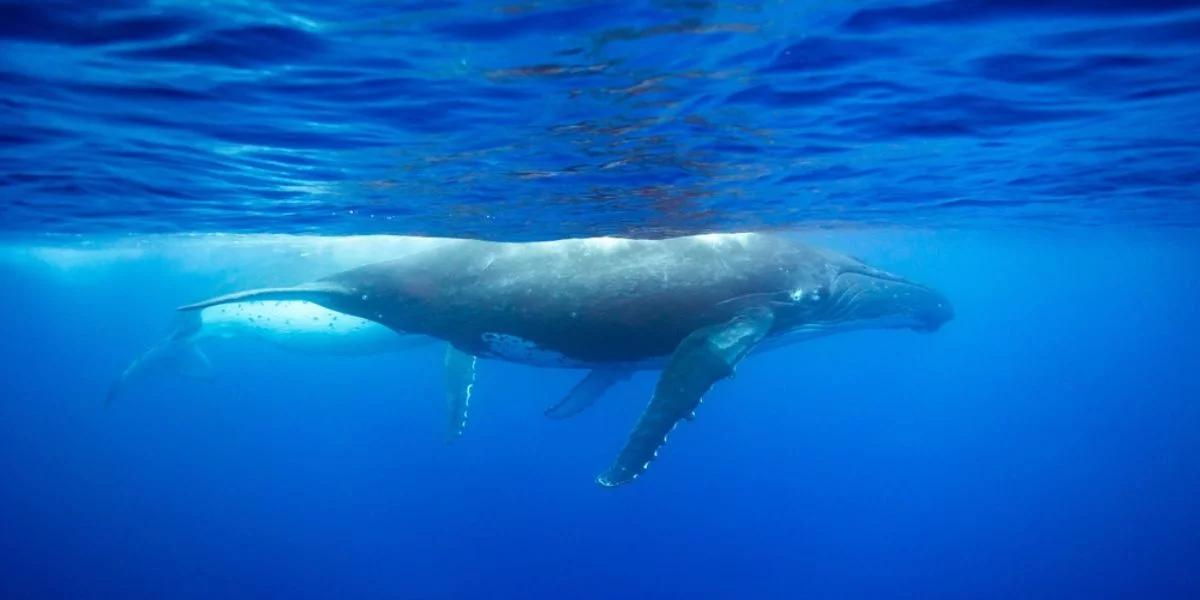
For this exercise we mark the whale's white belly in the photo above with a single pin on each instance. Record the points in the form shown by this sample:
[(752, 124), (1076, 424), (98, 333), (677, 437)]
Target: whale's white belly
[(301, 326)]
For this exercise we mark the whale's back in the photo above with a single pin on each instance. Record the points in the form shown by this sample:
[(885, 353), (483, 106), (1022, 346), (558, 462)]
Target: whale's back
[(591, 300)]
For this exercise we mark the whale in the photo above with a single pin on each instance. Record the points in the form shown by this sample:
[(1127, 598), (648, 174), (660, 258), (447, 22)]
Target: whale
[(294, 326), (692, 307)]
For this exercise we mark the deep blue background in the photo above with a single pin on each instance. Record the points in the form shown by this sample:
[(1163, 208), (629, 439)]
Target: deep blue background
[(1043, 444)]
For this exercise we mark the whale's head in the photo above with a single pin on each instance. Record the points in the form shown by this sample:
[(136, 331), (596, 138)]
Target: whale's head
[(848, 294)]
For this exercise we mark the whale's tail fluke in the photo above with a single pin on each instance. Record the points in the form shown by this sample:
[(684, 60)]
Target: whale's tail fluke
[(312, 292), (177, 354)]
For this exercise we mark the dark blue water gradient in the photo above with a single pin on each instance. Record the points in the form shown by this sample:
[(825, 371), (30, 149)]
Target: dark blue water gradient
[(546, 120)]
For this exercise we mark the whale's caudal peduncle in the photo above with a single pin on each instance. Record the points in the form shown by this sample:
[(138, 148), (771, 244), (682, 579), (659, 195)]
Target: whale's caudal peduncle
[(296, 326), (694, 306)]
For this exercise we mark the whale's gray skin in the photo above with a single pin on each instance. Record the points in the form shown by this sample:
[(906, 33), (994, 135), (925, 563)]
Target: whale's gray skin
[(694, 306)]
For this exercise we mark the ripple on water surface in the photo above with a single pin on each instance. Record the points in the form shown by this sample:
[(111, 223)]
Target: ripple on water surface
[(538, 121)]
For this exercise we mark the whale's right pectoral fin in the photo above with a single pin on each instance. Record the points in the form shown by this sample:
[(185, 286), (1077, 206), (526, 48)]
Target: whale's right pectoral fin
[(586, 392), (460, 380), (702, 358)]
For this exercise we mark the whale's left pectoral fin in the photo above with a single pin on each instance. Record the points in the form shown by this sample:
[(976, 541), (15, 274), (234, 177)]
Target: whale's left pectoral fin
[(702, 358), (460, 380), (586, 392)]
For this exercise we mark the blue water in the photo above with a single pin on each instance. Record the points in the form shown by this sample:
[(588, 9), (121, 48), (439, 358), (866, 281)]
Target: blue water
[(530, 120), (1037, 162)]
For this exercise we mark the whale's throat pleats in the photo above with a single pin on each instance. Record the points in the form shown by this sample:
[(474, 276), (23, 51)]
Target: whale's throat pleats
[(703, 357)]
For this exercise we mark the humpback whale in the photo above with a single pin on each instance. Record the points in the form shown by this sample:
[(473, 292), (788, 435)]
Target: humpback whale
[(693, 306)]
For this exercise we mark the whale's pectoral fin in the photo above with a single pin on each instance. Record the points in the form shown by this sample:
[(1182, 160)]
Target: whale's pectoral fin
[(702, 358), (586, 392), (460, 379)]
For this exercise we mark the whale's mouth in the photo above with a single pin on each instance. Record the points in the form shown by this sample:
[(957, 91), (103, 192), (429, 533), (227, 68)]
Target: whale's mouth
[(868, 297)]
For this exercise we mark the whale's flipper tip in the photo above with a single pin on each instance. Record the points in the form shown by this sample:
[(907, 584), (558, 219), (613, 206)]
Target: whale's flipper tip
[(605, 481), (702, 358)]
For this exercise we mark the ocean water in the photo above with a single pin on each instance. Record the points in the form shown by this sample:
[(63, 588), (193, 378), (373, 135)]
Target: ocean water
[(1036, 162)]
